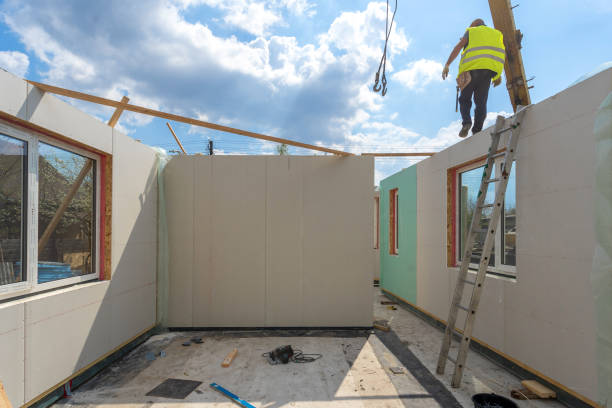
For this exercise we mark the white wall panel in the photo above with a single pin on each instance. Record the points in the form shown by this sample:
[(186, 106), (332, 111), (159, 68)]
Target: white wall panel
[(545, 318), (12, 366)]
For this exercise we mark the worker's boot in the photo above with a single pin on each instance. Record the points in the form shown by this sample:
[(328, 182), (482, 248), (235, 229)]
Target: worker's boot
[(465, 129)]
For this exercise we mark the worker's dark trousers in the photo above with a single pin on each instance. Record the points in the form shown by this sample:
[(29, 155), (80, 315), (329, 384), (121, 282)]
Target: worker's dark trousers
[(479, 87)]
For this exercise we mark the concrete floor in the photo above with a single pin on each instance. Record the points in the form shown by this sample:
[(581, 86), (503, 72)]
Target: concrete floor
[(353, 372)]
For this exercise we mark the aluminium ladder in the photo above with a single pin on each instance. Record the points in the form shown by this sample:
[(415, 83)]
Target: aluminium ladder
[(475, 229)]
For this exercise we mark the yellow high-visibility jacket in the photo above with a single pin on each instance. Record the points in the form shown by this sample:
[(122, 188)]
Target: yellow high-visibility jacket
[(485, 50)]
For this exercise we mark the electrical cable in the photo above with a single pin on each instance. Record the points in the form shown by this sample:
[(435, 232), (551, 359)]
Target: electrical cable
[(300, 357), (383, 59)]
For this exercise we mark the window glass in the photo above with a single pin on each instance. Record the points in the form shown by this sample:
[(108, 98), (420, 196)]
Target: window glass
[(509, 221), (469, 184), (13, 185), (66, 214)]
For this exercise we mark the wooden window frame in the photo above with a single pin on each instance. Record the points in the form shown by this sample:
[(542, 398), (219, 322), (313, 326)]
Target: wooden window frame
[(452, 198), (393, 222), (377, 222)]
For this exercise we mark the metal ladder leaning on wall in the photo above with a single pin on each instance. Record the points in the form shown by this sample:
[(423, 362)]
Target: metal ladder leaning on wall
[(478, 283)]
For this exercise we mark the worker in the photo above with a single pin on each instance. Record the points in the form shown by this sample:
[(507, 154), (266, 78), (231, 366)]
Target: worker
[(482, 61)]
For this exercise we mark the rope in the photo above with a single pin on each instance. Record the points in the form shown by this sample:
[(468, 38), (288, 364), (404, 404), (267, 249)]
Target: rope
[(383, 59)]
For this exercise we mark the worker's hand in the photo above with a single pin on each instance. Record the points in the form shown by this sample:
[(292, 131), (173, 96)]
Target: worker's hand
[(445, 72), (497, 81)]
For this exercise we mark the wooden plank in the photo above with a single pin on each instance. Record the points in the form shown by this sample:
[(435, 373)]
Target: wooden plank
[(539, 389), (63, 206), (176, 138), (415, 154), (4, 401), (115, 118), (178, 118), (516, 82), (229, 358)]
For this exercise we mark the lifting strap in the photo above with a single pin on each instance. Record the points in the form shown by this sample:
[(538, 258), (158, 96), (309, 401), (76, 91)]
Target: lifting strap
[(383, 60)]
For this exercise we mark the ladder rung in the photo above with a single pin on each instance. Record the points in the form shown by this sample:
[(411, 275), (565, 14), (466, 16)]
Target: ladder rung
[(498, 155), (479, 230), (495, 180), (469, 281), (452, 360), (463, 308), (505, 130), (487, 205)]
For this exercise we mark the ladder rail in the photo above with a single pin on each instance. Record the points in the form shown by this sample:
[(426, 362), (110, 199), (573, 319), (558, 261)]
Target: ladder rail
[(478, 283), (465, 262), (484, 262)]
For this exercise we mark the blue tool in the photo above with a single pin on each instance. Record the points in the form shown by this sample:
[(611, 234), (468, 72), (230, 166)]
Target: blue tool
[(231, 395)]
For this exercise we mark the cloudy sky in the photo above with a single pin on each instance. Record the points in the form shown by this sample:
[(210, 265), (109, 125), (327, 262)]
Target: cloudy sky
[(297, 69)]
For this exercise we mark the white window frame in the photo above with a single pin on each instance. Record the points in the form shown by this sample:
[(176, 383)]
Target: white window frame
[(498, 267), (31, 285)]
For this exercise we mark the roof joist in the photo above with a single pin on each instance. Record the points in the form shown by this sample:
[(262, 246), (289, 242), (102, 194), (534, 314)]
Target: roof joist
[(124, 106)]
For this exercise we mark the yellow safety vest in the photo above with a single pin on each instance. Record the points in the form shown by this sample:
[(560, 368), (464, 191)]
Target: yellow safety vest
[(485, 50)]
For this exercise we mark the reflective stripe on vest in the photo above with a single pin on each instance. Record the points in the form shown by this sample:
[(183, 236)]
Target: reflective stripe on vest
[(485, 50), (468, 59)]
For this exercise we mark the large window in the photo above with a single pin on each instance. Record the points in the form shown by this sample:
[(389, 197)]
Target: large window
[(503, 255), (48, 213), (13, 209)]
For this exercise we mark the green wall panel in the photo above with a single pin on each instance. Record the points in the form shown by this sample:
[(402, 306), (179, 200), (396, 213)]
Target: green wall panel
[(398, 273)]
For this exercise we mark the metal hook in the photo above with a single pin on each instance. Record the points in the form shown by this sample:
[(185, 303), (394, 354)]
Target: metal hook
[(376, 86), (384, 85)]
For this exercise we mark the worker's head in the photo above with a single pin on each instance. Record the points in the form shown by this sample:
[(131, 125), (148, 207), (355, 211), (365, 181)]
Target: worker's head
[(477, 22)]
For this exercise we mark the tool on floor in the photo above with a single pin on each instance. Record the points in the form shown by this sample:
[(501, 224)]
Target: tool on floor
[(284, 354), (229, 358), (475, 229), (231, 396)]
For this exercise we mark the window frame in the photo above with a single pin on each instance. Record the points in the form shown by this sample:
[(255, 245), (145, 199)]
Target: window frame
[(31, 285), (499, 269), (377, 222), (394, 221)]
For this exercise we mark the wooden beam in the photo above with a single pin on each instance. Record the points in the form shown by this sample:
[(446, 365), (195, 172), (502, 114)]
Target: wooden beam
[(516, 82), (63, 206), (115, 118), (229, 358), (178, 118), (398, 154), (4, 401), (176, 138)]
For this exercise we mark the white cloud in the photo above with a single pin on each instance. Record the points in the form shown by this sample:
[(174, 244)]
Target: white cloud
[(15, 62), (299, 7), (419, 73), (254, 16), (319, 91)]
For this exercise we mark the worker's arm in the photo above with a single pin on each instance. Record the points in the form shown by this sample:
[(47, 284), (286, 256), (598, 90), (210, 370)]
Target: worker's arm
[(462, 43)]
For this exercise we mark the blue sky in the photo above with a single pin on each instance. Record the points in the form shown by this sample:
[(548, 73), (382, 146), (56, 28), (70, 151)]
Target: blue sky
[(298, 69)]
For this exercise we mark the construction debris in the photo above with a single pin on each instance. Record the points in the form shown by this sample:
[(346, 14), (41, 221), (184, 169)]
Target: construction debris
[(382, 325), (397, 370), (539, 389), (523, 394), (229, 358)]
